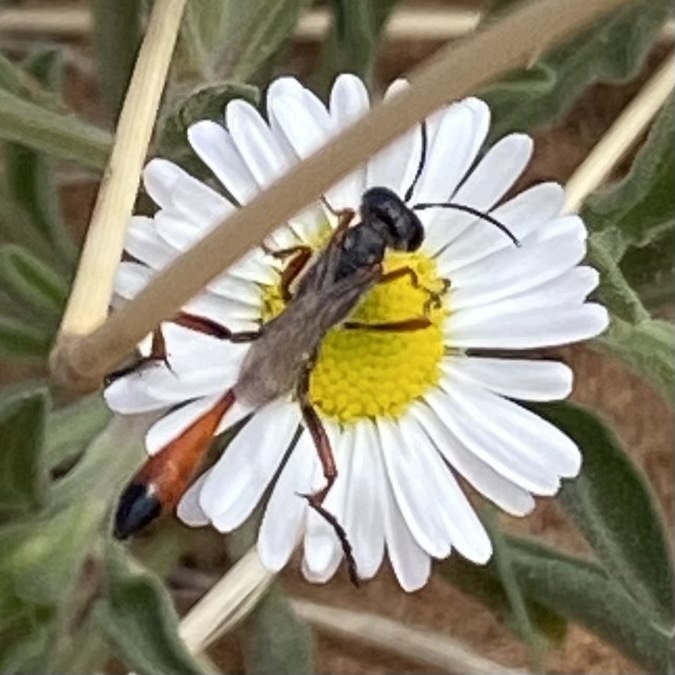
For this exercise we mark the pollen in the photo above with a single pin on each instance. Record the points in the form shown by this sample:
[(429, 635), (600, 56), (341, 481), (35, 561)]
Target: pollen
[(366, 373)]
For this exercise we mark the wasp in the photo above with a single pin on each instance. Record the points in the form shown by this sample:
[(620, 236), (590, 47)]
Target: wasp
[(320, 294)]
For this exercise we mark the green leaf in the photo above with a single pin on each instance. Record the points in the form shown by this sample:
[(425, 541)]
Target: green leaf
[(137, 616), (206, 103), (641, 205), (23, 476), (31, 282), (614, 291), (483, 583), (70, 429), (353, 40), (583, 592), (117, 35), (58, 135), (255, 31), (611, 51), (648, 347), (276, 641), (41, 556), (613, 506), (26, 641), (21, 341), (29, 179)]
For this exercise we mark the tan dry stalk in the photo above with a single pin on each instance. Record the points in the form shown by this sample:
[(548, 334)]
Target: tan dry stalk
[(79, 363), (416, 644), (621, 136), (88, 303), (227, 603)]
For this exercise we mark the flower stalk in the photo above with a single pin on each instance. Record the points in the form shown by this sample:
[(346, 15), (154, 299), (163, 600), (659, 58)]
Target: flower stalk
[(80, 360)]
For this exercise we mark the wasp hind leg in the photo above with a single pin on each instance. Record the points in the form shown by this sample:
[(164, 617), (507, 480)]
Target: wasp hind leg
[(157, 353), (316, 499)]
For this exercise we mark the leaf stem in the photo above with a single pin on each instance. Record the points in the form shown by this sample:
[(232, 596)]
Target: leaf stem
[(621, 136), (78, 363), (88, 303)]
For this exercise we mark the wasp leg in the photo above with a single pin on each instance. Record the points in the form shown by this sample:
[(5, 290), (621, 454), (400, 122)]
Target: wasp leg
[(157, 353), (158, 348), (435, 297), (301, 256), (315, 499), (214, 329), (406, 325)]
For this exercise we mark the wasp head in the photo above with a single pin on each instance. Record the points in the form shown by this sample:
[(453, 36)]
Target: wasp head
[(386, 213)]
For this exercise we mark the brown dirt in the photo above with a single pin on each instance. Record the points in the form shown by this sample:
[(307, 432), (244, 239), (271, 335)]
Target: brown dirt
[(640, 416)]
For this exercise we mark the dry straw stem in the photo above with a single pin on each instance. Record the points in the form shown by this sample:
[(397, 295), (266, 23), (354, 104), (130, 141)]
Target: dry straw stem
[(455, 71), (227, 603), (621, 136), (416, 644), (88, 304)]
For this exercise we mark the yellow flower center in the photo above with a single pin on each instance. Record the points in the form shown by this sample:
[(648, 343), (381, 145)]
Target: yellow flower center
[(365, 373)]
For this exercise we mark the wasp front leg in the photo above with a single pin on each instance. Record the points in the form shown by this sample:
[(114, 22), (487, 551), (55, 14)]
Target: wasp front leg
[(313, 424), (435, 299)]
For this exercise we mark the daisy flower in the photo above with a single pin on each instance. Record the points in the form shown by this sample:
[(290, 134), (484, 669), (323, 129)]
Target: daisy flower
[(408, 414)]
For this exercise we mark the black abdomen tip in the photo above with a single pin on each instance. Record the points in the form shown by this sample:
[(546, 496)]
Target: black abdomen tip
[(135, 509)]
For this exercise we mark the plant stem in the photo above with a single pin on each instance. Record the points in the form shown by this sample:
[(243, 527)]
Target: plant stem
[(88, 303), (79, 363)]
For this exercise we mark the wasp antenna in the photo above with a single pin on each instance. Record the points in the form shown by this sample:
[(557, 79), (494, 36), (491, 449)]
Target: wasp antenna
[(474, 212), (163, 479), (420, 167)]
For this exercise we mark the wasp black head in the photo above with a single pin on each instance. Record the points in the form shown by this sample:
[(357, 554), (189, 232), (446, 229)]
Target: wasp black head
[(385, 212)]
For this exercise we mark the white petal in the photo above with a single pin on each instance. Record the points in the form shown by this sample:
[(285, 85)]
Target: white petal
[(363, 516), (460, 522), (484, 187), (565, 226), (159, 177), (507, 496), (411, 490), (395, 166), (528, 211), (188, 509), (508, 328), (245, 470), (126, 397), (349, 100), (235, 288), (524, 432), (143, 243), (412, 566), (514, 270), (131, 279), (473, 428), (516, 378), (306, 134), (174, 423), (215, 147), (449, 157), (280, 528), (255, 142)]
